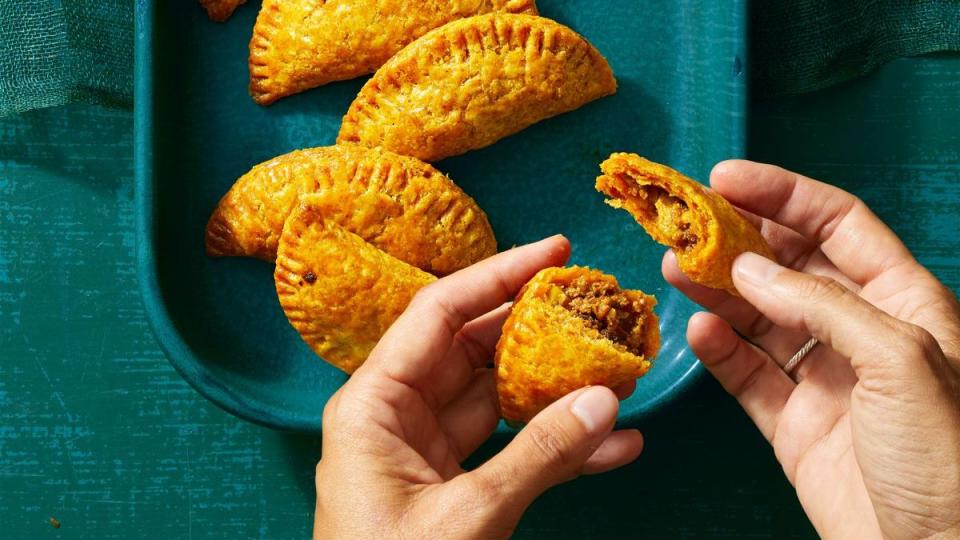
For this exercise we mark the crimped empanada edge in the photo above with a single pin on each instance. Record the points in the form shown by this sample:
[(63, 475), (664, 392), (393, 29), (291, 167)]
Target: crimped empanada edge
[(262, 85), (261, 82), (382, 82)]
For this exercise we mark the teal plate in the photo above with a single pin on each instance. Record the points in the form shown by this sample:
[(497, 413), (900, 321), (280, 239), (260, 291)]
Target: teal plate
[(681, 101)]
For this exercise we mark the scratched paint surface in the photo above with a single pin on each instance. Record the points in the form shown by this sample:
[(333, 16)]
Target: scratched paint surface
[(96, 429), (99, 432)]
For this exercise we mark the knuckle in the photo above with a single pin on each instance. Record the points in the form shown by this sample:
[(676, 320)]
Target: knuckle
[(433, 300), (818, 289), (550, 442), (330, 410), (424, 296), (920, 343), (483, 491)]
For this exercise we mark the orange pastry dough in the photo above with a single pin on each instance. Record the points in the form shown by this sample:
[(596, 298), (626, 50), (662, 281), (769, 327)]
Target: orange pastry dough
[(220, 10), (705, 231), (570, 328), (399, 204), (302, 44), (474, 81), (340, 292)]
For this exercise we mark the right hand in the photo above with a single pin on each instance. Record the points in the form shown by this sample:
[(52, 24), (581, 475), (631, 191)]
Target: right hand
[(870, 435), (396, 433)]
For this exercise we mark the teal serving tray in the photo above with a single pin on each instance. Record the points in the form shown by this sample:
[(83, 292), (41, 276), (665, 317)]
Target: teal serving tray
[(681, 101)]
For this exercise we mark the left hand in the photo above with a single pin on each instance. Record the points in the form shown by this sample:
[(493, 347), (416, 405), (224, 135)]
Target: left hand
[(396, 433)]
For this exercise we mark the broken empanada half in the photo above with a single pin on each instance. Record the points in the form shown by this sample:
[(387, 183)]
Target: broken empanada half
[(571, 328), (302, 44), (399, 204), (705, 231), (220, 10), (340, 292), (473, 82)]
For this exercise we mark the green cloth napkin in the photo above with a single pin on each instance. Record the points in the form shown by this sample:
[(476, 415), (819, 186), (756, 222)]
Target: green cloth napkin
[(54, 52), (804, 45)]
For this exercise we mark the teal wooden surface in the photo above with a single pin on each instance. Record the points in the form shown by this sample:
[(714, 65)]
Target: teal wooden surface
[(98, 431)]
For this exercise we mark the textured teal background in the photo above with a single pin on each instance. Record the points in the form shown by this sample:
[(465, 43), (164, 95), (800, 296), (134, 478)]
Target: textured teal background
[(97, 430)]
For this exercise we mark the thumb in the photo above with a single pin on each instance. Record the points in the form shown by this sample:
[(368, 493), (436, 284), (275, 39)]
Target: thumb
[(551, 449), (877, 344)]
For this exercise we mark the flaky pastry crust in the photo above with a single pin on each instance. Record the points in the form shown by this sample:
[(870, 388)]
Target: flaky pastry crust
[(302, 44), (340, 292), (220, 10), (570, 328), (474, 81), (705, 231), (397, 203)]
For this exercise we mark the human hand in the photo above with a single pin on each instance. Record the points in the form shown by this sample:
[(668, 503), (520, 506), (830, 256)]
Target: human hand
[(396, 433), (870, 436)]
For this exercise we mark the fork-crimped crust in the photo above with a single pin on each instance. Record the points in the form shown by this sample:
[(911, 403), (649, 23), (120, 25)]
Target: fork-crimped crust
[(474, 81), (302, 44), (339, 292), (400, 204)]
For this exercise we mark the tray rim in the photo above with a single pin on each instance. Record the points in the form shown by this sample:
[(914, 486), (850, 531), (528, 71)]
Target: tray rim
[(172, 343)]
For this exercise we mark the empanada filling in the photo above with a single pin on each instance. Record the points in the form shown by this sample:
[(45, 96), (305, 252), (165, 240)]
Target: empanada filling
[(670, 215), (606, 308)]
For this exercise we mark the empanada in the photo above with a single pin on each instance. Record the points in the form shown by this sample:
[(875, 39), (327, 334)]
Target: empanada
[(302, 44), (340, 292), (399, 204), (474, 81), (705, 231), (570, 328), (220, 10)]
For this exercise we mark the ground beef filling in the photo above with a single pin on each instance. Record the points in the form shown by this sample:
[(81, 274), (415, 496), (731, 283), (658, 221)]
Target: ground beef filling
[(604, 307), (671, 215)]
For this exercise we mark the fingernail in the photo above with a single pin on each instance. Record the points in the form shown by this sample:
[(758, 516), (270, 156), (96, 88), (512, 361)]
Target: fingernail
[(755, 269), (596, 408)]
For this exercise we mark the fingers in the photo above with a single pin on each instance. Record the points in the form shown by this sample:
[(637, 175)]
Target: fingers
[(473, 348), (477, 340), (795, 251), (758, 384), (553, 448), (779, 343), (471, 418), (421, 337), (848, 233), (880, 348), (618, 449)]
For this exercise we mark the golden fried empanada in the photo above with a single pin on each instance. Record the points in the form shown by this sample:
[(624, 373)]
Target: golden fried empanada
[(705, 231), (302, 44), (340, 292), (570, 328), (220, 10), (474, 81), (399, 204)]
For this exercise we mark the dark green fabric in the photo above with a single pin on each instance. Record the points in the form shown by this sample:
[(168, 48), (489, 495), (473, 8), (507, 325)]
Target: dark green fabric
[(54, 52), (804, 45)]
